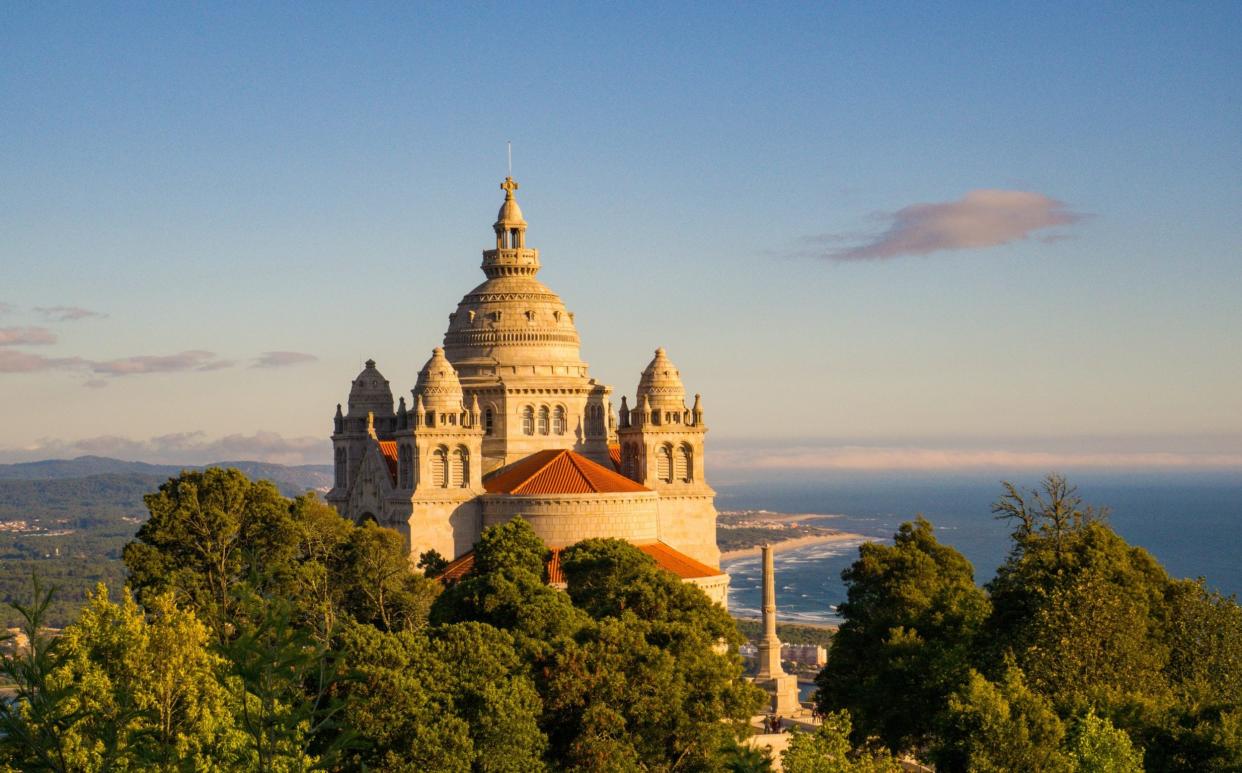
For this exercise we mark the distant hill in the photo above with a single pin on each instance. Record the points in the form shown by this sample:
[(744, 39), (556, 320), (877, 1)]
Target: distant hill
[(67, 520), (290, 480)]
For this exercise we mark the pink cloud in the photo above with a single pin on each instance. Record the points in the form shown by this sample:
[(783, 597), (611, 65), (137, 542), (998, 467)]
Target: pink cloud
[(282, 359), (67, 313), (26, 336), (981, 218), (169, 363), (12, 361)]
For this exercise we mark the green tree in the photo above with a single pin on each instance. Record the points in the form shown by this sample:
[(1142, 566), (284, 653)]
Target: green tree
[(1077, 608), (208, 532), (381, 588), (432, 563), (1000, 727), (828, 750), (285, 685), (128, 693), (1096, 746), (912, 617)]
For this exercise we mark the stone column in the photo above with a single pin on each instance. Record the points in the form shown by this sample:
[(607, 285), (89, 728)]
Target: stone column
[(772, 677), (770, 645)]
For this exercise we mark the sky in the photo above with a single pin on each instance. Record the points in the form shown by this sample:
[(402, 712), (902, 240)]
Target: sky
[(873, 236)]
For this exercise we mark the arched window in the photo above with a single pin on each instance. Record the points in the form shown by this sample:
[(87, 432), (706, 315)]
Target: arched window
[(683, 464), (341, 460), (629, 462), (543, 420), (528, 420), (489, 421), (405, 467), (664, 464), (459, 471), (439, 467), (558, 420)]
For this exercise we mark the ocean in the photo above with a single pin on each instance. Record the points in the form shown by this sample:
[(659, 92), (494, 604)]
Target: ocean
[(1191, 523)]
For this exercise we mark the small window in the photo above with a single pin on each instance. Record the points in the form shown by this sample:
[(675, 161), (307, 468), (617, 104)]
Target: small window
[(664, 464), (528, 420), (543, 420), (683, 464), (489, 421), (457, 470), (439, 467), (558, 420)]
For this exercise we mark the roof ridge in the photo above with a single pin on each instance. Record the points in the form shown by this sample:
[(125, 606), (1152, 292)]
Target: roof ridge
[(538, 469), (585, 475)]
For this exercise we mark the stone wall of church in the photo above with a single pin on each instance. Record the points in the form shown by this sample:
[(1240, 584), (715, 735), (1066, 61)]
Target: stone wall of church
[(716, 588), (561, 520), (449, 523), (688, 523)]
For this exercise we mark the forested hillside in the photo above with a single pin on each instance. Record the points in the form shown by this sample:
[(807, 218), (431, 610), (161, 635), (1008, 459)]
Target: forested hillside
[(67, 520)]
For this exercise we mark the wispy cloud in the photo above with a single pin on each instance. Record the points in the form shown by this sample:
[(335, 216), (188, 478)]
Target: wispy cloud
[(981, 218), (6, 308), (168, 363), (67, 313), (13, 361), (876, 458), (26, 336), (282, 359), (181, 448)]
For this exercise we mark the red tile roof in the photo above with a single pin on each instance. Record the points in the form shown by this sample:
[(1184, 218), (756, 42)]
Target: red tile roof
[(614, 456), (389, 449), (677, 562), (558, 471), (668, 558)]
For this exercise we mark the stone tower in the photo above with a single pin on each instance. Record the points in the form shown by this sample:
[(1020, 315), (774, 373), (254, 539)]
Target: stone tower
[(369, 405), (440, 460), (662, 448)]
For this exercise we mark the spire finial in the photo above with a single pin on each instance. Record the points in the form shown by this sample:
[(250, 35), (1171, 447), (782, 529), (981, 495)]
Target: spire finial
[(509, 186), (510, 144)]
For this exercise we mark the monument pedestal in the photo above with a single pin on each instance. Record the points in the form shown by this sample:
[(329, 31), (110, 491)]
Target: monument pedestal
[(783, 690)]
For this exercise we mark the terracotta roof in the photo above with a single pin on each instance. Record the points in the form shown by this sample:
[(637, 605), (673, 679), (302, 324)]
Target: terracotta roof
[(614, 456), (668, 558), (677, 562), (558, 471), (389, 449), (458, 568)]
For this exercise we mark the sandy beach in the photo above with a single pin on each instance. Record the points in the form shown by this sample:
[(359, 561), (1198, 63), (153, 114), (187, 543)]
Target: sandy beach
[(796, 542)]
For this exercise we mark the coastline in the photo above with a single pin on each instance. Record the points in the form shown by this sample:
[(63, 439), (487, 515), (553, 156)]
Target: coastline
[(796, 542)]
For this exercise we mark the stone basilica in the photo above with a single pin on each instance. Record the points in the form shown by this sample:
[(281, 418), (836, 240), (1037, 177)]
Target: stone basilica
[(505, 421)]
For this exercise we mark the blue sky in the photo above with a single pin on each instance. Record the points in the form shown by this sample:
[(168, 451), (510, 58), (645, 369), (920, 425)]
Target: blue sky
[(919, 234)]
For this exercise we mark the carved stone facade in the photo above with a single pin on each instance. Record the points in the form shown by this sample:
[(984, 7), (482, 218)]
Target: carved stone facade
[(509, 384)]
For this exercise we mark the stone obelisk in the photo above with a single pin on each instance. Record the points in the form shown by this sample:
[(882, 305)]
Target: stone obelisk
[(771, 676)]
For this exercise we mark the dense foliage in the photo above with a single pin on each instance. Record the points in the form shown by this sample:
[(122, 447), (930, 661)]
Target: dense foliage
[(1082, 654), (262, 633)]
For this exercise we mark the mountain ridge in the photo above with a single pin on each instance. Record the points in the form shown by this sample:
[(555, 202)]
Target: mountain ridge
[(316, 477)]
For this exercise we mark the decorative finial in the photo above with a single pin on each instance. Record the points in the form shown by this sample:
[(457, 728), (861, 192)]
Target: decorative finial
[(509, 186), (371, 423), (370, 363)]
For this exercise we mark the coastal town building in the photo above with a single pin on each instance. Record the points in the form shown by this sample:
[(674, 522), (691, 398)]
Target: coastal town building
[(505, 420)]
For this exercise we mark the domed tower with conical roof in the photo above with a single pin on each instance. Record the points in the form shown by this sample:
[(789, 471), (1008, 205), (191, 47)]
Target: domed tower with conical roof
[(369, 410), (439, 465), (662, 448), (515, 347)]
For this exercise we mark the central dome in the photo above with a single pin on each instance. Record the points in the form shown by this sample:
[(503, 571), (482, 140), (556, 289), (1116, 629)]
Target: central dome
[(512, 324)]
